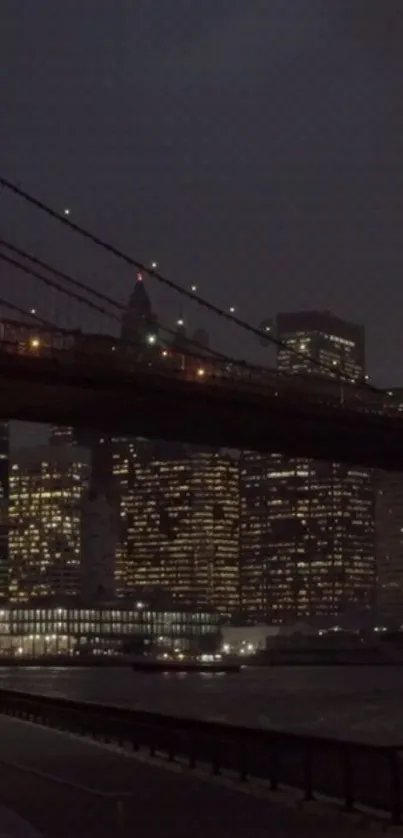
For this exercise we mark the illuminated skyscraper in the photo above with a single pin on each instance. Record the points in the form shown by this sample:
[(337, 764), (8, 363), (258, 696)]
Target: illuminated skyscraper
[(326, 345), (307, 527), (4, 491), (180, 524), (46, 490), (389, 536)]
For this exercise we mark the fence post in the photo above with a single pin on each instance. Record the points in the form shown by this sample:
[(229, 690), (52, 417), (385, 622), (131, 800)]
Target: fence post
[(215, 759), (152, 742), (274, 763), (171, 745), (308, 771), (348, 782), (243, 769), (192, 752), (135, 738), (395, 768)]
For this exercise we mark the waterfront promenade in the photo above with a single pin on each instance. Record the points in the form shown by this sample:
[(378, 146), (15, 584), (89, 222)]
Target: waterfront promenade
[(64, 786)]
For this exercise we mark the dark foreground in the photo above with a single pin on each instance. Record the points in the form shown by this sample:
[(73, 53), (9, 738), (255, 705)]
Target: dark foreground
[(353, 774), (64, 787)]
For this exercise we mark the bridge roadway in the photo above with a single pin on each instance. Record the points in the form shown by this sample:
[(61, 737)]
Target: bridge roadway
[(56, 387), (62, 786)]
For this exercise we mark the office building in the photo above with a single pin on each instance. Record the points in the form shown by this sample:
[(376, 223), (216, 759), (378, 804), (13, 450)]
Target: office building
[(4, 493), (71, 626), (389, 548), (389, 535), (45, 496), (179, 524), (319, 343), (307, 527)]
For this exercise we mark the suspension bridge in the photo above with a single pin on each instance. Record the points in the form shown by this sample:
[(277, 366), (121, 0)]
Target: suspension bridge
[(163, 384)]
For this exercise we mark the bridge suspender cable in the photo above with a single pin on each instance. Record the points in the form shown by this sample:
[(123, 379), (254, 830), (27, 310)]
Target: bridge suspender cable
[(194, 297), (51, 283), (56, 272), (111, 315), (19, 310), (103, 297)]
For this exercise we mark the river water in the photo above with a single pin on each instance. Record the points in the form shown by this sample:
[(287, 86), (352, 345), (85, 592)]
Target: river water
[(363, 703)]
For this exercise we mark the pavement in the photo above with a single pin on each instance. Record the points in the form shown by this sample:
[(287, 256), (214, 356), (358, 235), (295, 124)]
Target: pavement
[(55, 785)]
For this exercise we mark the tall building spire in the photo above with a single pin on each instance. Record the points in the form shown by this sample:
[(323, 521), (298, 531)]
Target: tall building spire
[(138, 320)]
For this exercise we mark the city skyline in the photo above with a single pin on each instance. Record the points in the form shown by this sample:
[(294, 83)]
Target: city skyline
[(262, 536), (201, 213)]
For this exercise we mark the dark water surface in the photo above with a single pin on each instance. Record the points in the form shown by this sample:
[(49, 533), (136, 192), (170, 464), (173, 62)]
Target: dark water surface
[(363, 703)]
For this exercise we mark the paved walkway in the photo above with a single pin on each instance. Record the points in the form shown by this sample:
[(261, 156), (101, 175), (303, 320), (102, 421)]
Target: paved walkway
[(12, 826), (64, 787)]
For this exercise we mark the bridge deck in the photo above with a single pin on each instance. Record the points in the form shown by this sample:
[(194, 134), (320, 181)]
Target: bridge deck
[(64, 786)]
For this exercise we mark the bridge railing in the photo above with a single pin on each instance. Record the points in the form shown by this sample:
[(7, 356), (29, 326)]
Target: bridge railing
[(352, 773), (66, 348)]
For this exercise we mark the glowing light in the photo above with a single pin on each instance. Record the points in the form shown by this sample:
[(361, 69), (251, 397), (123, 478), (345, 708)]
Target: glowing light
[(67, 211), (232, 309), (151, 339), (154, 265), (193, 287), (139, 277), (139, 604), (32, 311), (201, 372), (164, 353), (180, 322), (34, 343)]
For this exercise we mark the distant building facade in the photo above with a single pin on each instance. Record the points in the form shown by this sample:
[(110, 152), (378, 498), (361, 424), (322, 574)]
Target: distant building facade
[(4, 499), (47, 484), (389, 536), (179, 524), (74, 626), (307, 527)]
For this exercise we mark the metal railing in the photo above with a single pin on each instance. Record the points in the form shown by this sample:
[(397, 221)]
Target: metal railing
[(355, 774), (66, 347)]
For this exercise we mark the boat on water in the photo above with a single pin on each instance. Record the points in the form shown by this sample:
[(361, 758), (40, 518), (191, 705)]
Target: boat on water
[(151, 664)]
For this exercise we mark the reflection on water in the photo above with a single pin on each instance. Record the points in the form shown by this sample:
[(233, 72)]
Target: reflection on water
[(363, 702)]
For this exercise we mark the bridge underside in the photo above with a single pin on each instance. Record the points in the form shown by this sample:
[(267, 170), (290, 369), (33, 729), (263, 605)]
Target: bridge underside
[(157, 407)]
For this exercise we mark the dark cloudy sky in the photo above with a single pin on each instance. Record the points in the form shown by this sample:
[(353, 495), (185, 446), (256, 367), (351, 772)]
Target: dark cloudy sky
[(252, 146)]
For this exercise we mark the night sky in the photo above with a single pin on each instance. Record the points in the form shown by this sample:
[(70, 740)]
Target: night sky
[(254, 147)]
